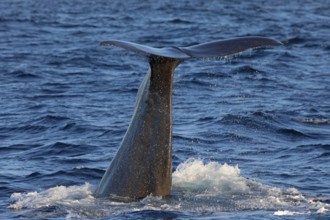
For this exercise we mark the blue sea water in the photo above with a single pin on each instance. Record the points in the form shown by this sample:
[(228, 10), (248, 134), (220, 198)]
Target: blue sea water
[(251, 136)]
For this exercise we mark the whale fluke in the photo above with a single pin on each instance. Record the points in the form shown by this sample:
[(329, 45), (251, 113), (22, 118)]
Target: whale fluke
[(143, 163), (219, 48)]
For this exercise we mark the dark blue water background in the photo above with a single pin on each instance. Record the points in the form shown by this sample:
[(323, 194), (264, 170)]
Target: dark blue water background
[(66, 103)]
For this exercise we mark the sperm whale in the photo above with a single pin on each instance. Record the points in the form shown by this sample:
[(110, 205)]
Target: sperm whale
[(143, 164)]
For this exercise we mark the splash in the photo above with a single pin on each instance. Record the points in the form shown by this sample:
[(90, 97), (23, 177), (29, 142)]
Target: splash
[(212, 178), (59, 195), (289, 213), (215, 187), (198, 187)]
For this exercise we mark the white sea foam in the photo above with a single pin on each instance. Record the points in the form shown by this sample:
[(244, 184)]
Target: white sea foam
[(220, 187), (197, 187), (287, 212), (59, 195), (323, 209), (212, 178)]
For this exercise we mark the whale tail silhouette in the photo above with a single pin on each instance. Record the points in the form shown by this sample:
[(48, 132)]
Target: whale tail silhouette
[(219, 48), (143, 163)]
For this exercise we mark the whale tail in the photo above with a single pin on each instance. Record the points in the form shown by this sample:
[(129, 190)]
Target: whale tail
[(143, 163), (219, 48)]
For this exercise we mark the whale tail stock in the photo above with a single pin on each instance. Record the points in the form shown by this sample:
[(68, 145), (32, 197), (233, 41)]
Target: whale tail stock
[(143, 163)]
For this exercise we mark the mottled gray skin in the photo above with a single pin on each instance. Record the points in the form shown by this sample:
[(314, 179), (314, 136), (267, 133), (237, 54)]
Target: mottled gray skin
[(143, 163)]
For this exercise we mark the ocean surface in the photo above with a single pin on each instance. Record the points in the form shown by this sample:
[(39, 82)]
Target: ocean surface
[(251, 133)]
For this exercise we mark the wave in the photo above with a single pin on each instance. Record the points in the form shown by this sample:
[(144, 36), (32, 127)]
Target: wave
[(23, 74), (198, 187), (318, 121)]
